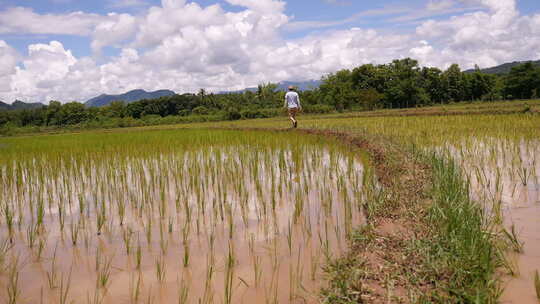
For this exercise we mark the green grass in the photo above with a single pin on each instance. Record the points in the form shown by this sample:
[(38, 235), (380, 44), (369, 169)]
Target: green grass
[(463, 247)]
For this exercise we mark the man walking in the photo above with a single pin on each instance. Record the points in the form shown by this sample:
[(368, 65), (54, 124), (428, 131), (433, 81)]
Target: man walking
[(292, 103)]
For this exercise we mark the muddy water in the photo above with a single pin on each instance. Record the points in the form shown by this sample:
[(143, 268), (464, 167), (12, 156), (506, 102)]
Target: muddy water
[(220, 225), (520, 289), (505, 176)]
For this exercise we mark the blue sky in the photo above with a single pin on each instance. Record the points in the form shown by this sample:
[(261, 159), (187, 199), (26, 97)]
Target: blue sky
[(74, 49), (299, 10)]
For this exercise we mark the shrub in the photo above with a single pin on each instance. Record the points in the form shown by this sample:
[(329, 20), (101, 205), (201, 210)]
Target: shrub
[(259, 113), (318, 109), (231, 114), (200, 110)]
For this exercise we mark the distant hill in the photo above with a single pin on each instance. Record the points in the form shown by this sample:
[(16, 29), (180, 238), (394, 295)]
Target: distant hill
[(503, 68), (302, 86), (131, 96), (284, 86), (20, 105), (4, 106)]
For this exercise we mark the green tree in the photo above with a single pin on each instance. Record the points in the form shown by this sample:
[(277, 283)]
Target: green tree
[(266, 95), (337, 90), (52, 113), (116, 109), (404, 85), (453, 83), (370, 99), (432, 84), (522, 81), (72, 113)]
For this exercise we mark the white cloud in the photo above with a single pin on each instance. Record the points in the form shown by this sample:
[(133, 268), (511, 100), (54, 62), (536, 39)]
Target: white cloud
[(45, 69), (483, 38), (183, 46), (262, 6), (8, 62), (20, 20), (8, 59), (118, 28)]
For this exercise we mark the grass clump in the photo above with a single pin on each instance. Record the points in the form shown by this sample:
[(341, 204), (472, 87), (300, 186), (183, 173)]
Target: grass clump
[(464, 248)]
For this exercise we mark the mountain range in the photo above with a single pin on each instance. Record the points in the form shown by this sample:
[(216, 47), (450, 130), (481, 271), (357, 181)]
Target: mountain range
[(503, 68), (131, 96), (20, 105), (284, 86)]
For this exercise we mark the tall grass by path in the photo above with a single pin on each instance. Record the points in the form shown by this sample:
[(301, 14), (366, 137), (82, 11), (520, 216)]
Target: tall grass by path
[(464, 246)]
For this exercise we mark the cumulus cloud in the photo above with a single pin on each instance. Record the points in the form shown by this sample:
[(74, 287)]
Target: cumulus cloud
[(8, 59), (484, 38), (117, 28), (8, 62), (17, 20), (183, 46)]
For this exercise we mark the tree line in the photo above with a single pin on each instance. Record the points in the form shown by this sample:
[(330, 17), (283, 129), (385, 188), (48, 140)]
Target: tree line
[(399, 84)]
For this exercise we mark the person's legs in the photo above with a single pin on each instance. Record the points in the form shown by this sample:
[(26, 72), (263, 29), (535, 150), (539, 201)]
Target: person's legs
[(295, 112), (292, 115)]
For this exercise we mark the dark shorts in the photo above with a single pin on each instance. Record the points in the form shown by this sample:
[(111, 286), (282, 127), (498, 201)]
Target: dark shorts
[(293, 111)]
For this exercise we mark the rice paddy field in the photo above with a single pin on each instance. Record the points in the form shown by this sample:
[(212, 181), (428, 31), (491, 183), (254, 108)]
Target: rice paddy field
[(181, 216), (499, 156), (202, 213)]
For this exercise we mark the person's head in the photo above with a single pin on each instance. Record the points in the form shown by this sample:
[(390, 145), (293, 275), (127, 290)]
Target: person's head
[(291, 88)]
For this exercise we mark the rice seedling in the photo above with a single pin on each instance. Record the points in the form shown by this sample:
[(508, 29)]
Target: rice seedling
[(257, 270), (186, 254), (135, 289), (208, 294), (163, 243), (31, 235), (52, 275), (13, 288), (100, 221), (121, 212), (104, 268), (148, 228), (74, 229), (160, 269), (513, 239), (8, 217), (127, 235), (138, 256), (183, 293), (95, 298), (5, 246), (39, 249), (229, 274), (65, 284), (537, 284)]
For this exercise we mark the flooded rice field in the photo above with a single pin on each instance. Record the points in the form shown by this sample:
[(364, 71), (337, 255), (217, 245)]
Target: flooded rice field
[(164, 218), (505, 175)]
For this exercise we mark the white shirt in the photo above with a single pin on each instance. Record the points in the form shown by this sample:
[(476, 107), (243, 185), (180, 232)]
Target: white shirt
[(292, 100)]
